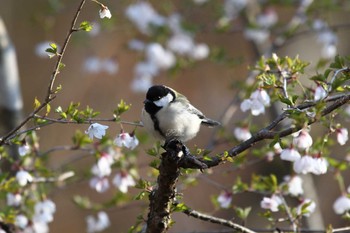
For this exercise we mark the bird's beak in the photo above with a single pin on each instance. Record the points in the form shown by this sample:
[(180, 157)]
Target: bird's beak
[(146, 101)]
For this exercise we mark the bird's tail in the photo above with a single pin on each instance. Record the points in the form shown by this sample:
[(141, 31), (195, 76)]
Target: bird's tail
[(210, 123)]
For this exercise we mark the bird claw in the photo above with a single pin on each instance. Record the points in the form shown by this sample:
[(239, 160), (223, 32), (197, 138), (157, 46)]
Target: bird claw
[(180, 154)]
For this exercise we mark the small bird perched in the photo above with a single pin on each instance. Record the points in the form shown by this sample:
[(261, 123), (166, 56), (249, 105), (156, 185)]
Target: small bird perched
[(168, 115)]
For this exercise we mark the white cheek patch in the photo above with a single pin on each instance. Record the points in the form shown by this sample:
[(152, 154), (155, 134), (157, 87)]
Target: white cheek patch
[(164, 101)]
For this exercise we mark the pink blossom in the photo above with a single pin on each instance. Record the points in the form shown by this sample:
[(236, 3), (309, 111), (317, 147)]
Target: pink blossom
[(271, 203), (225, 199), (342, 136), (303, 140), (122, 181)]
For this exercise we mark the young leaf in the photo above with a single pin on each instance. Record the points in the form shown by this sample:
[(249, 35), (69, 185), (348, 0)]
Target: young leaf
[(85, 26), (36, 103)]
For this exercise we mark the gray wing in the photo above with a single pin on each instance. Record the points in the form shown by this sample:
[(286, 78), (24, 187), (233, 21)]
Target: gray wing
[(205, 121)]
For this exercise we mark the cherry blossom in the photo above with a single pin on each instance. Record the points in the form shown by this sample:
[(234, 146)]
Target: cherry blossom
[(96, 130), (290, 154), (242, 134), (105, 12), (306, 207), (200, 51), (142, 14), (13, 199), (97, 225), (162, 58), (21, 221), (23, 177), (43, 211), (100, 184), (271, 203), (122, 181), (320, 93), (225, 199), (257, 102), (307, 164), (125, 139), (341, 205), (295, 185), (303, 140), (24, 149), (342, 136)]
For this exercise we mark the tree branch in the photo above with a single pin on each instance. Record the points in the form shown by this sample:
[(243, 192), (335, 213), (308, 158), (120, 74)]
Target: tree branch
[(220, 221)]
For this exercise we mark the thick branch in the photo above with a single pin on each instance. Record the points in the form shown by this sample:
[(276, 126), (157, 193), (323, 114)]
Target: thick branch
[(267, 133)]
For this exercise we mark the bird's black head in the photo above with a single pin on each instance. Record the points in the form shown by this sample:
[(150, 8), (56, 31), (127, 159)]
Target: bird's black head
[(157, 92), (157, 97)]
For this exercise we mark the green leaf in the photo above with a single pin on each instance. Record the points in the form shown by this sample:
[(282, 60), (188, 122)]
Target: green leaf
[(85, 26), (243, 213), (36, 103), (121, 108), (179, 207)]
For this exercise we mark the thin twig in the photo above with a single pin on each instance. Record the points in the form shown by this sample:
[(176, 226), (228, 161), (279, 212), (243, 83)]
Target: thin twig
[(49, 96), (221, 221)]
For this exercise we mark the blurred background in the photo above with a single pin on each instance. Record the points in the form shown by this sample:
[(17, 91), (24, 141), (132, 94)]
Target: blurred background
[(211, 84)]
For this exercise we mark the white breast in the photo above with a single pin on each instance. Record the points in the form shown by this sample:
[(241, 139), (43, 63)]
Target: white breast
[(176, 122)]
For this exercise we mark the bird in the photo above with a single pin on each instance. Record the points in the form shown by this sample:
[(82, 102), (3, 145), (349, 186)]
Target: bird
[(169, 115)]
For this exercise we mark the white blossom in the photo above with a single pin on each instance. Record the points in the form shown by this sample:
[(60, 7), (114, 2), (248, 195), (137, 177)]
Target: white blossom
[(96, 130), (257, 35), (242, 134), (320, 166), (110, 66), (295, 185), (162, 58), (13, 199), (123, 181), (341, 205), (181, 44), (141, 84), (105, 12), (290, 154), (21, 221), (329, 51), (342, 136), (24, 149), (304, 165), (102, 167), (267, 19), (257, 102), (200, 51), (23, 177), (43, 211), (125, 139), (143, 15), (97, 225), (308, 164), (92, 65), (308, 206), (225, 199), (100, 184), (303, 140), (320, 93), (271, 203)]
